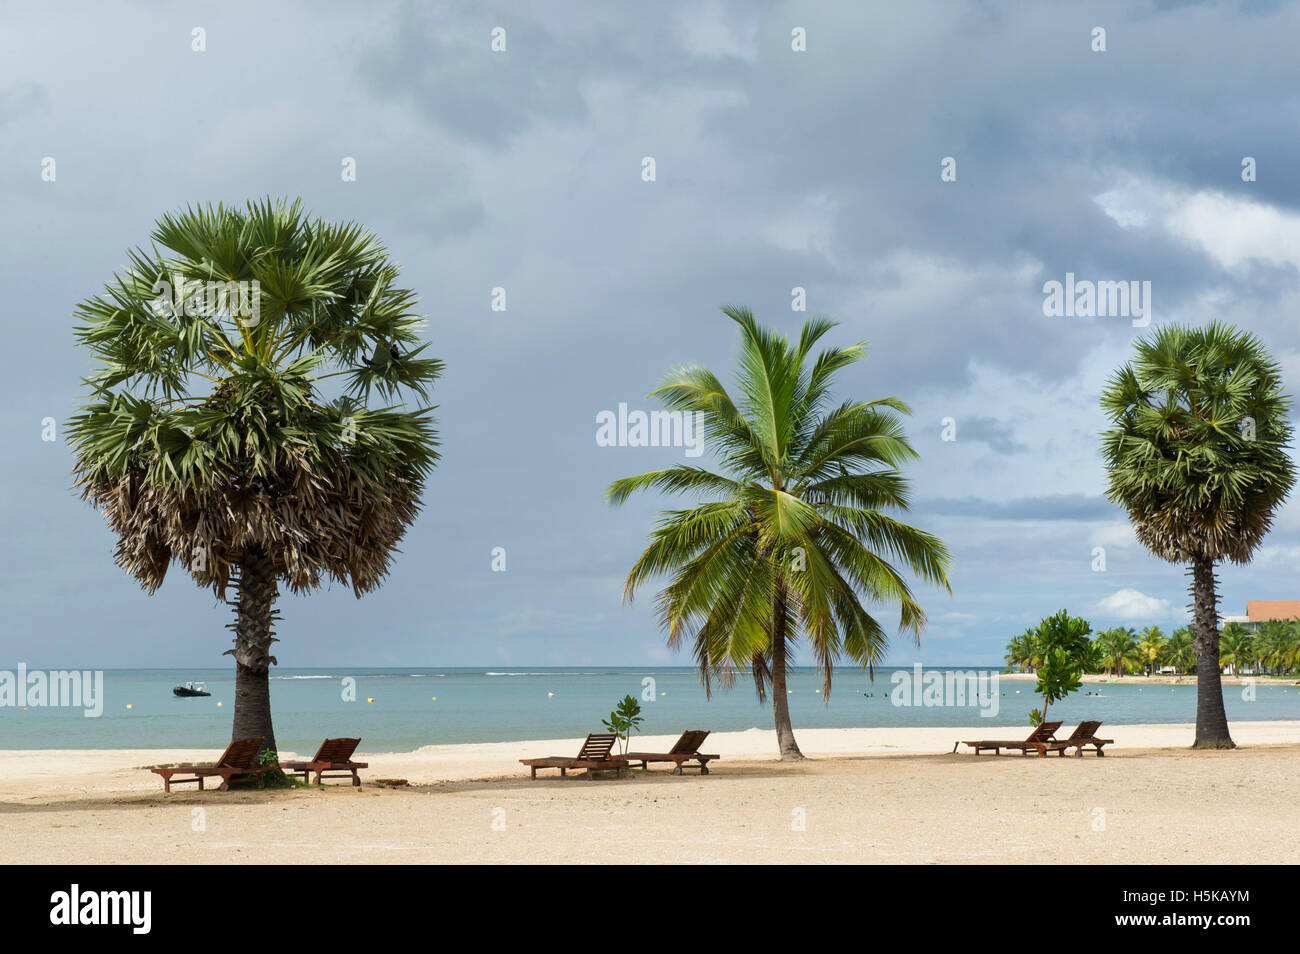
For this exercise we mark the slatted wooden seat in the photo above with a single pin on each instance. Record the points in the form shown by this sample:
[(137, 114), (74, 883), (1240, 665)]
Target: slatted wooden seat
[(237, 763), (1084, 735), (687, 749), (333, 756), (594, 756), (1039, 740)]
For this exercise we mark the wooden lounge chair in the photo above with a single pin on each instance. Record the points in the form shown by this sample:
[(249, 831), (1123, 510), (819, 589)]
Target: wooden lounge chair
[(334, 755), (1084, 735), (238, 762), (686, 750), (594, 756), (1038, 741)]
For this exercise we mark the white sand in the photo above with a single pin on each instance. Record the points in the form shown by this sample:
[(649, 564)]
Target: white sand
[(873, 795)]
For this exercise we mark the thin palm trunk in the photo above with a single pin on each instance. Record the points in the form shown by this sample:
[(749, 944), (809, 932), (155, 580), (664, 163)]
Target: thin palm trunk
[(1211, 717), (780, 698), (253, 618)]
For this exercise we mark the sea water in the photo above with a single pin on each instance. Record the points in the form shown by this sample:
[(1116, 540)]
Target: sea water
[(416, 707)]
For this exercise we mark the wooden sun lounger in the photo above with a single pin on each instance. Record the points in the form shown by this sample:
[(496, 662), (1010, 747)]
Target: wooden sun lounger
[(1083, 736), (594, 756), (238, 762), (1039, 740), (686, 750), (334, 755)]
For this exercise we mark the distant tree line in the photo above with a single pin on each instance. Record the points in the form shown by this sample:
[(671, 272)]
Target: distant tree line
[(1274, 650)]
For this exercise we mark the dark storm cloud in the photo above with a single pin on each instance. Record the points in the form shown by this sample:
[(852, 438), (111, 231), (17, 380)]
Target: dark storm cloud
[(775, 169), (998, 435), (440, 61)]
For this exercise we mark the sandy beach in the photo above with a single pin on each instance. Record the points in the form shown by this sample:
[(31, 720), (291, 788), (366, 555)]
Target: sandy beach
[(864, 795), (1185, 679)]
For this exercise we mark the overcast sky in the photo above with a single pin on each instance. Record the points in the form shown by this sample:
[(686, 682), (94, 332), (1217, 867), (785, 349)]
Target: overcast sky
[(774, 168)]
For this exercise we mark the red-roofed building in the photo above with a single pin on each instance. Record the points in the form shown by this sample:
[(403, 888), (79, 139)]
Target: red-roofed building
[(1262, 611)]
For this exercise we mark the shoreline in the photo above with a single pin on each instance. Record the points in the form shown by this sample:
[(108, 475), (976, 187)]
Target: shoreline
[(39, 772), (1160, 680)]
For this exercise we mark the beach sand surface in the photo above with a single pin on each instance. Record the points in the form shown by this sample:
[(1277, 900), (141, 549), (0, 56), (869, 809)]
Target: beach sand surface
[(896, 795)]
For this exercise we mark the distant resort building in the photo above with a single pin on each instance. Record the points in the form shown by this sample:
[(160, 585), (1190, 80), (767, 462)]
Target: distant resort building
[(1259, 612)]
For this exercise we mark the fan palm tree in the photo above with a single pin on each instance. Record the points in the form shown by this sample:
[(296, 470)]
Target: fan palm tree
[(1119, 650), (1179, 650), (1196, 455), (1236, 647), (208, 438), (796, 525), (1152, 646)]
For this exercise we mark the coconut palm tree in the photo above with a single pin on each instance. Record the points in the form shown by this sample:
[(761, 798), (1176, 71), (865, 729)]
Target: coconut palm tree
[(1288, 654), (1196, 453), (1119, 650), (1023, 651), (1151, 647), (228, 428), (1179, 650), (1267, 639), (1236, 647), (1094, 659), (1278, 645), (798, 522)]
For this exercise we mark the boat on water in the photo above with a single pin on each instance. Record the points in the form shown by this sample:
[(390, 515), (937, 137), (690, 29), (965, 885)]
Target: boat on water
[(191, 689)]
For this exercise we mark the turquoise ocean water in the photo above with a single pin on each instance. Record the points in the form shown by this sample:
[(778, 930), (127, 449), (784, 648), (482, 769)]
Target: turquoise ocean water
[(482, 705)]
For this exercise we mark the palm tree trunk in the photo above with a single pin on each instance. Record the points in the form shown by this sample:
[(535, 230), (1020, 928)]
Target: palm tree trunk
[(780, 700), (252, 652), (1211, 717)]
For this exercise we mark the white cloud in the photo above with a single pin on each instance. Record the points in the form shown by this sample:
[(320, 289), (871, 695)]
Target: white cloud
[(1130, 205), (1133, 605), (1234, 231), (1118, 534), (1287, 557)]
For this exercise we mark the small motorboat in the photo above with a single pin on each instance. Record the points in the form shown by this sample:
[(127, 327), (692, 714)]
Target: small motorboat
[(191, 689)]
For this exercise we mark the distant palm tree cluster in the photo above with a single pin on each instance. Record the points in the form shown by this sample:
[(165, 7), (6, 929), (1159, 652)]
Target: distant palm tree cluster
[(1274, 650)]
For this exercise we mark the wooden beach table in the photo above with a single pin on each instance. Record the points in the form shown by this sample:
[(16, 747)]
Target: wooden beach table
[(237, 763)]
